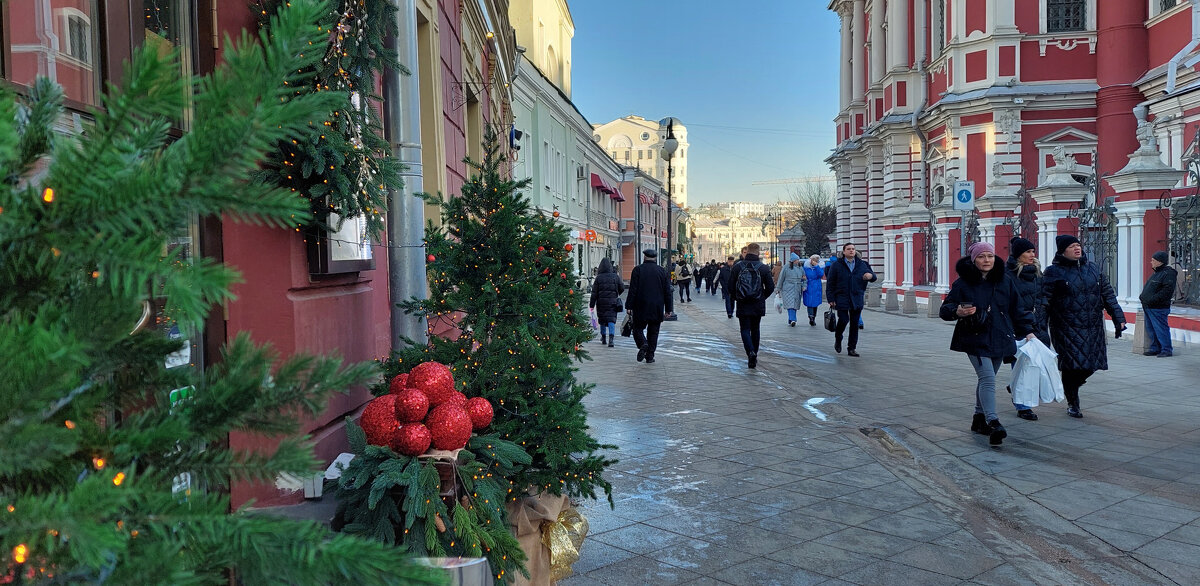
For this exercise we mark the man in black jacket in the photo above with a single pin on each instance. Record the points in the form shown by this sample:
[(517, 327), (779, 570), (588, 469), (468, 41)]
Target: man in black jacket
[(751, 305), (845, 288), (723, 282), (1156, 305), (649, 292)]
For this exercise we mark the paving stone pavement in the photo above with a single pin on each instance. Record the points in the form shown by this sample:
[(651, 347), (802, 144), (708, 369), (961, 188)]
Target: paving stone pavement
[(819, 468)]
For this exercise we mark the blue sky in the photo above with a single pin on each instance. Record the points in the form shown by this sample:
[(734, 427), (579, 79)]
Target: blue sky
[(755, 82)]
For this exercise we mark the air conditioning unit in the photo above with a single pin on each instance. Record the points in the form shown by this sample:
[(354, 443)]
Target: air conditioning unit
[(580, 172)]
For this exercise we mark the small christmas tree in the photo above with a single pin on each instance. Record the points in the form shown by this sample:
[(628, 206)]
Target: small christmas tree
[(111, 464), (501, 277)]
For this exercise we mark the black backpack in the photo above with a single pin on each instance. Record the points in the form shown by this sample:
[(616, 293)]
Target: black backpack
[(685, 272), (749, 284)]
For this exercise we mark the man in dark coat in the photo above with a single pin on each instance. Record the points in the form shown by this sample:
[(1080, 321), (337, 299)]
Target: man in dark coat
[(723, 282), (606, 300), (649, 292), (1077, 294), (845, 288), (752, 306), (1156, 305)]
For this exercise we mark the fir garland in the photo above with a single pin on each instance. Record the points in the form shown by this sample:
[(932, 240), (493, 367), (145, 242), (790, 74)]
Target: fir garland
[(343, 165)]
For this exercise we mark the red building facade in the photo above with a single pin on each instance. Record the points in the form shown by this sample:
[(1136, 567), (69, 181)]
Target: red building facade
[(1029, 99)]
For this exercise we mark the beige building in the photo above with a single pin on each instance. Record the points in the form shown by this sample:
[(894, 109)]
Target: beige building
[(544, 30), (636, 142), (718, 238)]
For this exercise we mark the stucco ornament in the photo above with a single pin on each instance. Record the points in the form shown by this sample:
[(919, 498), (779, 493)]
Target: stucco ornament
[(1063, 162), (997, 175)]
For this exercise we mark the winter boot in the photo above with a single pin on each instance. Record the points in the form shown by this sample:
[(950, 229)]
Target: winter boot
[(1073, 411), (603, 338), (979, 424), (996, 433)]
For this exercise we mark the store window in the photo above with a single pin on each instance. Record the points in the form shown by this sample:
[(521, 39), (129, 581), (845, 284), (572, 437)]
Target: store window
[(48, 39)]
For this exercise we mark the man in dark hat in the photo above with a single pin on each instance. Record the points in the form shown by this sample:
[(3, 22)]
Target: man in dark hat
[(1077, 294), (1156, 305), (649, 293)]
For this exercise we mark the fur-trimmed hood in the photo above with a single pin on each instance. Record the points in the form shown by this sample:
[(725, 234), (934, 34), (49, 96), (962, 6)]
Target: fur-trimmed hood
[(970, 273)]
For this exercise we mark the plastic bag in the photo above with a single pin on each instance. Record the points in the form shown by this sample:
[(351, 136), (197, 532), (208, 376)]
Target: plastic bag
[(595, 323), (778, 304), (1036, 378)]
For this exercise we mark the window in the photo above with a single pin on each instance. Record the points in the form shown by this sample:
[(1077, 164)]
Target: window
[(645, 136), (1066, 15), (38, 40), (79, 38), (1165, 5)]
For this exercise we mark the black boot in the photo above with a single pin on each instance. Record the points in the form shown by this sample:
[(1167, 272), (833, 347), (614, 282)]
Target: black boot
[(996, 432), (603, 338), (1073, 411), (979, 424)]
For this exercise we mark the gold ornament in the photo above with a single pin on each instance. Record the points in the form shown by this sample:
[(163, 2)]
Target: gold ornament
[(563, 538)]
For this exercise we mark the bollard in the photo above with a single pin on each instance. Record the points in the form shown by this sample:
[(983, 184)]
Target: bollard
[(910, 302), (872, 295), (935, 305), (893, 301), (1139, 333)]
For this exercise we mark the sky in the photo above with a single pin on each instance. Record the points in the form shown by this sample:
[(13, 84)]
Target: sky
[(755, 83)]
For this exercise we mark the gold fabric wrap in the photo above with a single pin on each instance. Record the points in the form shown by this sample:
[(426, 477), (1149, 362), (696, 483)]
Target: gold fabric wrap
[(563, 538), (550, 532)]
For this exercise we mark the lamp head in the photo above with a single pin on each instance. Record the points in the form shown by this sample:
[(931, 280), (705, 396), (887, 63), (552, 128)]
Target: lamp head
[(669, 146)]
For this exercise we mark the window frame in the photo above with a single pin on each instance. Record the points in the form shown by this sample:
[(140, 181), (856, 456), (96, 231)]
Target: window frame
[(1089, 19)]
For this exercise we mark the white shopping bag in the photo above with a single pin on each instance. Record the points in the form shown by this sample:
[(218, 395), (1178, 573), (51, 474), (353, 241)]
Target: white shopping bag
[(778, 304), (1036, 378)]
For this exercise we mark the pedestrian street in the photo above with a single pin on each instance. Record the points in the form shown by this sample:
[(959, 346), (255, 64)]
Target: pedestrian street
[(819, 468)]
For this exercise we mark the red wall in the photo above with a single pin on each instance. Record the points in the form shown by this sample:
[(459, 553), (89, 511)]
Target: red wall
[(1057, 65), (1168, 37), (453, 118), (976, 15)]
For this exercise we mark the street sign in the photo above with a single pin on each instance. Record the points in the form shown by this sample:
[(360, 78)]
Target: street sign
[(964, 195)]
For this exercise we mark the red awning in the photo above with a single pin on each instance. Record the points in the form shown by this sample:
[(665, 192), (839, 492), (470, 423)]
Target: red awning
[(599, 183), (645, 198)]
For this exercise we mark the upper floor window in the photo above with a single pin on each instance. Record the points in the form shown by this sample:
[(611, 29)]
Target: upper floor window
[(1165, 5), (939, 27), (1066, 15), (79, 37)]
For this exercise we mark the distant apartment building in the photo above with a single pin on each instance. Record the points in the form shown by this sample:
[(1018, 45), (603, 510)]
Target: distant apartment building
[(636, 142)]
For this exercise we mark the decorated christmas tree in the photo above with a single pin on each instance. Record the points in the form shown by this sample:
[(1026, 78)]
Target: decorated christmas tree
[(508, 326), (114, 466)]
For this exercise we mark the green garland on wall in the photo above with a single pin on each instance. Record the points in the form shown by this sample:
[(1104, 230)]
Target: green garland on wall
[(343, 166)]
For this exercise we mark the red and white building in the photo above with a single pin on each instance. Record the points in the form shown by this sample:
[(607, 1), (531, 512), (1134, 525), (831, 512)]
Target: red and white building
[(1028, 99)]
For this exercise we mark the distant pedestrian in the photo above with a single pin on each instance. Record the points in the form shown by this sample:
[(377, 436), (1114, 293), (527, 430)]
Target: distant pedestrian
[(1156, 305), (752, 284), (791, 287), (649, 300), (1026, 271), (776, 267), (710, 276), (723, 281), (1077, 294), (683, 278), (846, 283), (813, 295), (606, 300), (987, 308)]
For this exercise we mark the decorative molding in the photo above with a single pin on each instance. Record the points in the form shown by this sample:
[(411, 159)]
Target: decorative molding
[(1067, 43)]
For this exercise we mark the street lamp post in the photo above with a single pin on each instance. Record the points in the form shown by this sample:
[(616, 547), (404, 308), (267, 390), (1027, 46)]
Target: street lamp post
[(637, 217), (668, 151)]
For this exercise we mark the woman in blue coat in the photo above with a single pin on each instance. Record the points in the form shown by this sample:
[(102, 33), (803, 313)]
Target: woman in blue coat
[(813, 295)]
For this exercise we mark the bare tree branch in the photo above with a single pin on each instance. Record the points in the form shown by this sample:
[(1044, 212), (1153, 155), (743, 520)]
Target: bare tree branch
[(815, 212)]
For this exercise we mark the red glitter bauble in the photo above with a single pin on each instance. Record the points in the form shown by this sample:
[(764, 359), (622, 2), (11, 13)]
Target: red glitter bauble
[(399, 383), (480, 411), (411, 406), (431, 258), (379, 420), (450, 427), (434, 379), (570, 247), (541, 248), (412, 439), (457, 398)]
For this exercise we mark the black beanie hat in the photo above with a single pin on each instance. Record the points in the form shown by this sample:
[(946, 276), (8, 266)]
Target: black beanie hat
[(1161, 256), (1063, 241), (1018, 246)]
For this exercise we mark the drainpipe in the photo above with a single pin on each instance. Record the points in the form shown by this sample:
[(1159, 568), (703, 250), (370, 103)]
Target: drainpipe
[(406, 211), (1173, 64), (920, 46)]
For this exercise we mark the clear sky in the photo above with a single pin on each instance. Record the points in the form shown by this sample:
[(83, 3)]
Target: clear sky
[(755, 83)]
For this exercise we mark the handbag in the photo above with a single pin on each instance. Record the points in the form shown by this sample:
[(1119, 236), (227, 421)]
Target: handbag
[(627, 326), (831, 320)]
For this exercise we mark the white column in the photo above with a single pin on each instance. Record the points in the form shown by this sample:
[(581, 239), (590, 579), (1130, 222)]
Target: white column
[(889, 259), (943, 258), (908, 238), (878, 42), (897, 33), (1047, 222), (858, 42), (1131, 251), (847, 57)]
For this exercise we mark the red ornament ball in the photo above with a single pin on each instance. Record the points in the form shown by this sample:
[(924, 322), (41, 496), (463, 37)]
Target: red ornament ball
[(450, 427), (434, 379), (556, 214), (541, 248), (570, 247), (457, 398), (378, 420), (412, 439), (411, 406), (399, 383), (480, 411)]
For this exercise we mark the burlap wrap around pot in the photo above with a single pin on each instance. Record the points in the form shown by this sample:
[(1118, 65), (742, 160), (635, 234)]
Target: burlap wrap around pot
[(550, 532)]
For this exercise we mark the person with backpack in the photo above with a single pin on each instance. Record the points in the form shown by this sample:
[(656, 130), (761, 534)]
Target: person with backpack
[(683, 278), (846, 286), (752, 285)]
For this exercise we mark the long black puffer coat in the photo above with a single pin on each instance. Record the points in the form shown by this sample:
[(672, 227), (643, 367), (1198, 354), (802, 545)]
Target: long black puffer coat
[(606, 293), (1029, 288), (999, 318), (1077, 294)]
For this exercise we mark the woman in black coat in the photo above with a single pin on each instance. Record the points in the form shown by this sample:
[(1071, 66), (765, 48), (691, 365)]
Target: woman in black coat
[(1077, 294), (985, 304), (1027, 276), (606, 300)]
